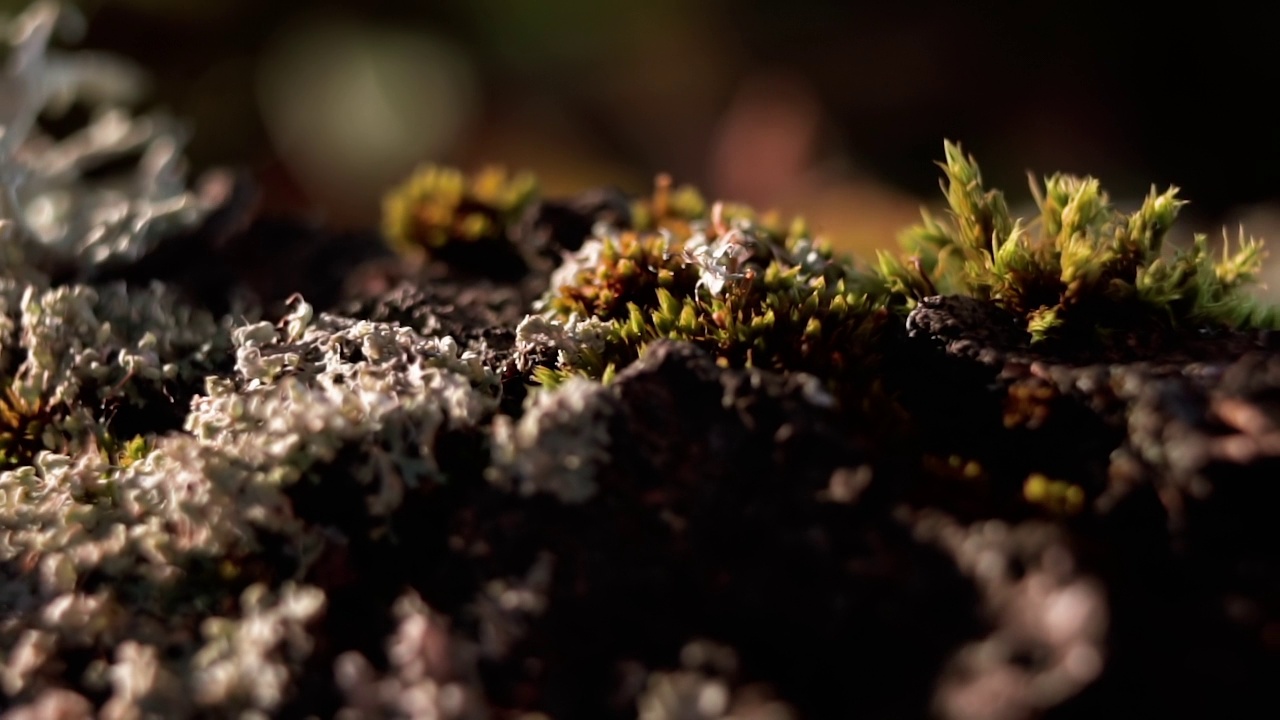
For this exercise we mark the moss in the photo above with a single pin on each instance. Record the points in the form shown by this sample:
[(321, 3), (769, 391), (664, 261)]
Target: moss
[(122, 455), (757, 291), (745, 292), (438, 209), (1081, 264), (27, 427), (668, 208)]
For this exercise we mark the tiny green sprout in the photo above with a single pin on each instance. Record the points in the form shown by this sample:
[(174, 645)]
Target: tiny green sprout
[(668, 208), (134, 450)]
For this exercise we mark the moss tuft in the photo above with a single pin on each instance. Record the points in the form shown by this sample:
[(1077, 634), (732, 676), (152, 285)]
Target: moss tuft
[(27, 427), (748, 293), (1081, 263), (439, 206)]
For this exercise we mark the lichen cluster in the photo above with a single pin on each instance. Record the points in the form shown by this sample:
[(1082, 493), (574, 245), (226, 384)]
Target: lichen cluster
[(717, 470)]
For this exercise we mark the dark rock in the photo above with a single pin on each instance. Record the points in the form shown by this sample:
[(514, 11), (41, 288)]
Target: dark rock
[(1173, 439)]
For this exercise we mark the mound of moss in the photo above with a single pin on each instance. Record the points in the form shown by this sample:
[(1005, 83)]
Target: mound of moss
[(617, 457)]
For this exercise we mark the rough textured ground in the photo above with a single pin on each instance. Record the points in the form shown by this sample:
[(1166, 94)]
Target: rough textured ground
[(253, 468), (686, 541)]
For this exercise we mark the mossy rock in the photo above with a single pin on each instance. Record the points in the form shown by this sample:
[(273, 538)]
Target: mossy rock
[(616, 457)]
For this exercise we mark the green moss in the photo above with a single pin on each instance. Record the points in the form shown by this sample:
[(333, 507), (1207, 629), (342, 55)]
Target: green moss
[(748, 293), (123, 455), (27, 427), (1080, 263), (438, 206), (629, 270), (755, 290), (668, 208), (1059, 497)]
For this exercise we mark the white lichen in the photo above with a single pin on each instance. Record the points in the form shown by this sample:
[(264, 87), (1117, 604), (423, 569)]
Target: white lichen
[(558, 444), (587, 256), (431, 675), (572, 339), (53, 212), (247, 662)]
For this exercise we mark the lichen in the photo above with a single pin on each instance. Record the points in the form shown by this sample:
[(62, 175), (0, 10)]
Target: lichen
[(55, 214), (431, 673), (559, 444)]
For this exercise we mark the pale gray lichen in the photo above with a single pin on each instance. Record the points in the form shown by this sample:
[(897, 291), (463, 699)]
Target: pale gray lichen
[(704, 689), (308, 387), (1041, 605), (558, 444), (142, 685), (111, 340), (53, 213), (168, 537), (208, 496), (140, 532), (246, 663), (432, 673), (720, 259), (508, 606), (575, 340)]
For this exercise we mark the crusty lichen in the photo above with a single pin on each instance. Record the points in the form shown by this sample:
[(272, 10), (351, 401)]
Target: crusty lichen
[(53, 213), (559, 444), (431, 673), (208, 497)]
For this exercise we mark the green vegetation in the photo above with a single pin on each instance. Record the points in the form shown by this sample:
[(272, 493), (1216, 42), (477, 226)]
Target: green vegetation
[(26, 427), (1081, 263), (747, 295), (759, 292), (437, 206)]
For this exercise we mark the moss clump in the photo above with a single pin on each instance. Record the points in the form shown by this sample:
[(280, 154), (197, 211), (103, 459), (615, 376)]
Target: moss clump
[(748, 293), (1080, 264), (681, 210), (757, 292), (23, 425), (438, 207), (1057, 496), (27, 427), (621, 270)]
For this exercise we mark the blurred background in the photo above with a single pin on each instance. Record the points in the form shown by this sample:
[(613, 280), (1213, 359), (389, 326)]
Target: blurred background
[(833, 110)]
